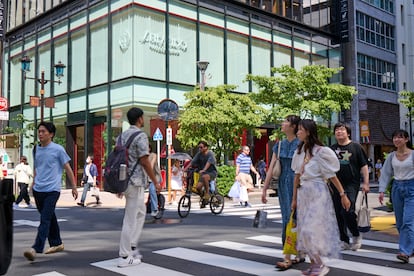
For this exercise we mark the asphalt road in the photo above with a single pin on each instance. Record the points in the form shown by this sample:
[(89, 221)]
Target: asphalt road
[(201, 244)]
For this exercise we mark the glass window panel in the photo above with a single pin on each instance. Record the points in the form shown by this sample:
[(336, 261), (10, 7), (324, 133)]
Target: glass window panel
[(211, 18), (98, 11), (237, 26), (30, 42), (301, 52), (260, 57), (78, 68), (177, 93), (78, 20), (121, 45), (182, 50), (77, 102), (61, 104), (61, 53), (150, 47), (320, 54), (99, 52), (121, 93), (212, 50), (115, 5), (237, 61), (182, 9), (16, 81), (44, 36), (149, 92), (44, 65), (155, 4), (98, 98), (60, 28)]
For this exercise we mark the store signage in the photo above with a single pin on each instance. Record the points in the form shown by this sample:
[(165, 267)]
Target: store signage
[(156, 43)]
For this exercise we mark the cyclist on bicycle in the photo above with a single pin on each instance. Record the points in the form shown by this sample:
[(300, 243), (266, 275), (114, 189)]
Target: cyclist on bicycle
[(204, 160)]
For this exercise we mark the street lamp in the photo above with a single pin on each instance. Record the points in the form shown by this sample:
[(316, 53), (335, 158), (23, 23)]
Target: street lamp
[(202, 66), (34, 101)]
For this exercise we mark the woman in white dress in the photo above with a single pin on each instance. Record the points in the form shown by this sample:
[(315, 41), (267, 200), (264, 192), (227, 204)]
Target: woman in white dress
[(176, 180), (313, 164)]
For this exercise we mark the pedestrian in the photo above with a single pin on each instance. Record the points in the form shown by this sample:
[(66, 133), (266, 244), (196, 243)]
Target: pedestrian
[(176, 181), (399, 166), (90, 173), (205, 161), (353, 162), (49, 161), (152, 190), (23, 173), (135, 209), (243, 167), (285, 186), (378, 167), (317, 229), (261, 168)]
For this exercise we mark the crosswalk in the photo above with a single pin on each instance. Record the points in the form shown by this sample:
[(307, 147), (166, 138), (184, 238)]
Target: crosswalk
[(270, 246)]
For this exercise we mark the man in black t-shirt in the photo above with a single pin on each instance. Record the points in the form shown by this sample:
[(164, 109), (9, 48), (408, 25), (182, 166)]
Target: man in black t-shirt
[(353, 162)]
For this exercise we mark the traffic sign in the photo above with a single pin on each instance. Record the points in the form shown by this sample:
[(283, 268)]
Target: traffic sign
[(169, 136), (157, 135), (3, 104)]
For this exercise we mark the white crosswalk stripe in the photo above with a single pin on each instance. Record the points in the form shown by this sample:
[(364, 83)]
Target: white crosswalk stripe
[(269, 247)]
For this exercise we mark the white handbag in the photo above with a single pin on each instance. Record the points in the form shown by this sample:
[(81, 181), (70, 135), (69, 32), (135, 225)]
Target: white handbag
[(364, 215)]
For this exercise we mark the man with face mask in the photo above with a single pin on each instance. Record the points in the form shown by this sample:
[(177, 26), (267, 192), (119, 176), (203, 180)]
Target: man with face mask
[(90, 172)]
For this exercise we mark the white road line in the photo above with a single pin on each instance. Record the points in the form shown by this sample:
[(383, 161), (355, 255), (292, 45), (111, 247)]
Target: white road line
[(141, 269), (336, 263), (226, 262), (52, 273), (33, 223)]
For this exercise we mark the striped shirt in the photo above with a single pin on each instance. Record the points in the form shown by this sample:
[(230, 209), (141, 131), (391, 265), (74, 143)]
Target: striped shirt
[(244, 162)]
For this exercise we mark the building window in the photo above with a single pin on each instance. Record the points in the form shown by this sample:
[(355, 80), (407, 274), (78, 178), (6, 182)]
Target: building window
[(376, 72), (386, 5), (375, 32)]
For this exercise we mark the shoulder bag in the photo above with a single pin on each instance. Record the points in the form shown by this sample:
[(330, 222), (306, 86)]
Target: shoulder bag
[(363, 215), (277, 168)]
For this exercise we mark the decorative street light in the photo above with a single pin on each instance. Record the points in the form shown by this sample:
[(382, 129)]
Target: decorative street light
[(34, 101), (202, 66)]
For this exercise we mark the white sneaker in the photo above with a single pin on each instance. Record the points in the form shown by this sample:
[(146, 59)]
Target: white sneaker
[(15, 206), (154, 213), (136, 254), (128, 261), (323, 270), (356, 242), (345, 246)]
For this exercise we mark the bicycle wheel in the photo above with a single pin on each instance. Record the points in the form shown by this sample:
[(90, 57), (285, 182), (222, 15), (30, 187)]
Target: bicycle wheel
[(184, 206), (216, 204)]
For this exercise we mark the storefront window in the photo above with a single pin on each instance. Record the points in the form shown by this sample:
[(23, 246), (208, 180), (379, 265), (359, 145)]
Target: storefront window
[(78, 60), (122, 45), (320, 54), (237, 60), (301, 52), (182, 50), (212, 50), (282, 49), (99, 52), (149, 46)]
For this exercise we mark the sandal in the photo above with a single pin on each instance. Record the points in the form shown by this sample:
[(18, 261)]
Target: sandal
[(285, 265), (298, 260), (402, 257)]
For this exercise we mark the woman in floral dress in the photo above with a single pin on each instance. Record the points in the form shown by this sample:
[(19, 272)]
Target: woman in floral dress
[(313, 164)]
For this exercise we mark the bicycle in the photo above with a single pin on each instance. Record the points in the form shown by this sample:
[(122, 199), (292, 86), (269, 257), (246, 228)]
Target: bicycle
[(216, 201)]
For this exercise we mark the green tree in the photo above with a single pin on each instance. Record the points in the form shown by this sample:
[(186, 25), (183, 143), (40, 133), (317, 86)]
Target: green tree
[(22, 128), (306, 92), (219, 117), (407, 99)]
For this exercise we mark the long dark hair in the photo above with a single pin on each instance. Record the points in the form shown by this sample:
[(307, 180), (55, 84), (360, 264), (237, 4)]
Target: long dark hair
[(293, 120), (310, 126), (404, 134)]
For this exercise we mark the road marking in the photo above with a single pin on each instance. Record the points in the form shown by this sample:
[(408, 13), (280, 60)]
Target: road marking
[(33, 223), (52, 273), (334, 263), (232, 263), (141, 269)]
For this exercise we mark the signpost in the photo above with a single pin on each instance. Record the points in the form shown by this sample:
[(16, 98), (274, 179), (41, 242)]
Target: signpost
[(158, 137), (4, 106)]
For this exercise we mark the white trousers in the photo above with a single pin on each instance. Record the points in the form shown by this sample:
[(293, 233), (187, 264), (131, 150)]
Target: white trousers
[(134, 218)]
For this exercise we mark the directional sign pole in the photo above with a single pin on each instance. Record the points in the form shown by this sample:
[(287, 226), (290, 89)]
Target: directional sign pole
[(158, 153)]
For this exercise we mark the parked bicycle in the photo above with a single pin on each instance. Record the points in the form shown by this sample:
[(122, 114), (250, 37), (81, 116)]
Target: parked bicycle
[(216, 201)]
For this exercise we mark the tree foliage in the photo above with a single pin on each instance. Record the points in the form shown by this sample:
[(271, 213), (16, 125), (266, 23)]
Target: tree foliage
[(219, 117), (306, 92), (22, 128), (407, 99)]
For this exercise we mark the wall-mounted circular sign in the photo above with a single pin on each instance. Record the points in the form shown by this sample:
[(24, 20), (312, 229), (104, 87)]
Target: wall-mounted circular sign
[(168, 110)]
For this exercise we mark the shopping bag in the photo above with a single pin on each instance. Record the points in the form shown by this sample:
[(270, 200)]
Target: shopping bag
[(289, 246), (235, 190), (244, 196), (95, 191), (364, 215), (260, 219)]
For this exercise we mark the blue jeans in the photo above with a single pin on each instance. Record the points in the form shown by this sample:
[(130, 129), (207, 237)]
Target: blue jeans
[(153, 196), (285, 194), (86, 187), (48, 228), (403, 202)]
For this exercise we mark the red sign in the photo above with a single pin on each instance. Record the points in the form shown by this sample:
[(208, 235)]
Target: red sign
[(3, 104)]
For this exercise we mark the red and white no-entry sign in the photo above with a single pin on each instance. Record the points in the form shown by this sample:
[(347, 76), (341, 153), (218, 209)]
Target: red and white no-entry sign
[(3, 104)]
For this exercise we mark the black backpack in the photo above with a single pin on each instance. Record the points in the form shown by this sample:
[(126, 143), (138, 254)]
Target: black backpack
[(116, 174)]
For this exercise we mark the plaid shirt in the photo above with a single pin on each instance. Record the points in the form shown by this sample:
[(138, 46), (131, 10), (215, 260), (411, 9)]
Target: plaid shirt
[(138, 148)]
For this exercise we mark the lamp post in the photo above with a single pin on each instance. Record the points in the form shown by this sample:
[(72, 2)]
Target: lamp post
[(202, 66), (34, 101)]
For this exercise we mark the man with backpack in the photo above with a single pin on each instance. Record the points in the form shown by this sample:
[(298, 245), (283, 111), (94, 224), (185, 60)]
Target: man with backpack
[(135, 209)]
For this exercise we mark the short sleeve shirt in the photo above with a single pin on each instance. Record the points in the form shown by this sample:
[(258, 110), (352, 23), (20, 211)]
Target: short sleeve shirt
[(200, 160), (138, 148), (245, 162)]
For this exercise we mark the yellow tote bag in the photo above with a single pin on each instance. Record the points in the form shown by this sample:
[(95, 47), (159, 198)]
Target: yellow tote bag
[(290, 243)]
